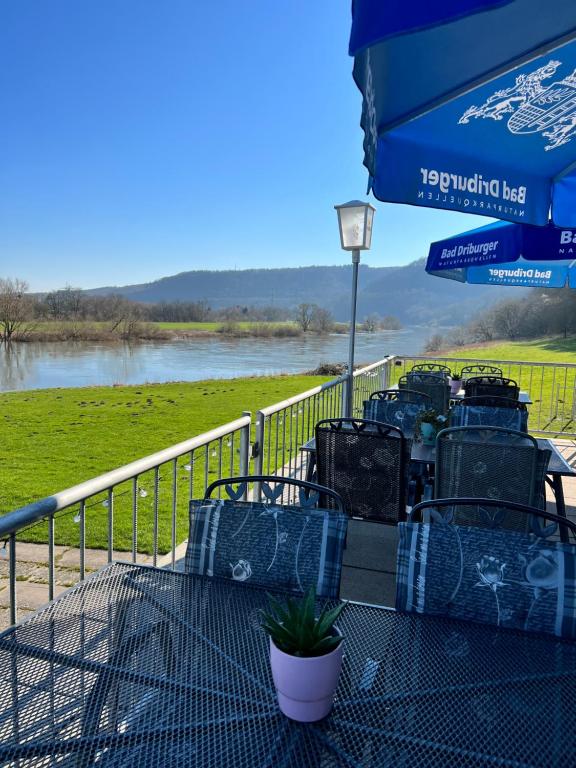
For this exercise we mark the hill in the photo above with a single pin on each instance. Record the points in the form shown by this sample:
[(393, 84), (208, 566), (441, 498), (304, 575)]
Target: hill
[(406, 292)]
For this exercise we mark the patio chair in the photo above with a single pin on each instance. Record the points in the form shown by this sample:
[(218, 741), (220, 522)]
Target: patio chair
[(286, 546), (491, 412), (399, 407), (470, 371), (435, 385), (444, 370), (492, 386), (490, 462), (486, 572), (363, 461)]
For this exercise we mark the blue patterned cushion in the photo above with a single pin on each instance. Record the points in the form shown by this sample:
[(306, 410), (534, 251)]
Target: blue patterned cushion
[(491, 416), (494, 576), (279, 547), (395, 412)]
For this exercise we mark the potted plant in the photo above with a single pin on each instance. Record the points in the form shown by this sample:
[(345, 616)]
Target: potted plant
[(305, 655), (428, 424), (455, 383)]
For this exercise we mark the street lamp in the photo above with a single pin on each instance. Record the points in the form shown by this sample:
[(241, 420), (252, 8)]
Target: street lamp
[(355, 223)]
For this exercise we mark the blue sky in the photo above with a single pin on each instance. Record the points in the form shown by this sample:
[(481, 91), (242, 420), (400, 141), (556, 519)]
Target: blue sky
[(141, 138)]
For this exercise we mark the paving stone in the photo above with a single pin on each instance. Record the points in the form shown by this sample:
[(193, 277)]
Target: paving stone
[(368, 586), (372, 546), (35, 553), (5, 616), (65, 577), (29, 595), (94, 558)]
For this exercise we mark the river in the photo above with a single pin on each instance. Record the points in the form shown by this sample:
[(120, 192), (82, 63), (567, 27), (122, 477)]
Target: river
[(79, 364)]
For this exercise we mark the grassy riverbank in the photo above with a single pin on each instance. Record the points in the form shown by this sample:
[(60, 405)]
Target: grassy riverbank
[(52, 439), (149, 331), (548, 375), (552, 350), (135, 331)]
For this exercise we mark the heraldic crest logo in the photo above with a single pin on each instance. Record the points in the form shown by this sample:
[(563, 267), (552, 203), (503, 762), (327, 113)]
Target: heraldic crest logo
[(533, 107)]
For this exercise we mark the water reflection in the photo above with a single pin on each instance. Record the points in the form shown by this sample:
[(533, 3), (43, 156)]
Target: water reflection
[(78, 364)]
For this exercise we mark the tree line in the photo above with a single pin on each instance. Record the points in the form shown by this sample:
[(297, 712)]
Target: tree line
[(538, 314), (22, 312)]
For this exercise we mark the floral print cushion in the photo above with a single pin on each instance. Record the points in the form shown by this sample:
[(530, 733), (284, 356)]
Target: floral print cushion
[(395, 412), (278, 547), (493, 576), (485, 415)]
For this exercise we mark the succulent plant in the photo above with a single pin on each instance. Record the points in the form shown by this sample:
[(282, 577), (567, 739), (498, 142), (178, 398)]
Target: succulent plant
[(456, 376), (295, 629)]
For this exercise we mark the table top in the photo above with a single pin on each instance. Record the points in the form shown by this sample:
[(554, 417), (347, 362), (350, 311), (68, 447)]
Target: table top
[(141, 667), (426, 454)]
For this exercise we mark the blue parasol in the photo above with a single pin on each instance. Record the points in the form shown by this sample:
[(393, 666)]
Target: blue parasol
[(470, 105), (507, 254)]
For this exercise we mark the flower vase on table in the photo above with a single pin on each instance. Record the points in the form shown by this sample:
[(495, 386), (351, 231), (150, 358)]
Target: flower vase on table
[(428, 424), (428, 432)]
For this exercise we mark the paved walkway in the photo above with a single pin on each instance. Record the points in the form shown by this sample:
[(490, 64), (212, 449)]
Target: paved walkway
[(369, 573)]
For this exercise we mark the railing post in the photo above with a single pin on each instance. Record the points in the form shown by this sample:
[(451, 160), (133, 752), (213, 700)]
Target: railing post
[(12, 579), (344, 404), (51, 557), (386, 372), (245, 448), (258, 451)]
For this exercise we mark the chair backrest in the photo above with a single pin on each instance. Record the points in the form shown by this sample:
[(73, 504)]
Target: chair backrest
[(491, 385), (494, 513), (490, 462), (399, 407), (435, 385), (274, 489), (402, 395), (468, 412), (480, 369), (495, 401), (489, 573), (363, 461), (431, 368), (277, 546)]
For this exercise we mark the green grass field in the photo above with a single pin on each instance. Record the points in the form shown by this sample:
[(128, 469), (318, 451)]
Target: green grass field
[(56, 327), (53, 439), (556, 350), (214, 327)]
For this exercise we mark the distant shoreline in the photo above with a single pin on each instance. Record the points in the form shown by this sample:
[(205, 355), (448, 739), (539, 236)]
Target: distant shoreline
[(169, 332)]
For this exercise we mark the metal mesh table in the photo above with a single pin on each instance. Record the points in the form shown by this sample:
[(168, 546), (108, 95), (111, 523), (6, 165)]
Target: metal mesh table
[(144, 667)]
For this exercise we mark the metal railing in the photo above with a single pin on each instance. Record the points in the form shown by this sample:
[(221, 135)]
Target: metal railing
[(551, 387), (151, 493), (142, 507), (282, 428), (371, 379)]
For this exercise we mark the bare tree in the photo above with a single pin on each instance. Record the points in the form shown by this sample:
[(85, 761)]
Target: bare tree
[(434, 343), (15, 308), (482, 327), (304, 313), (371, 323), (321, 320)]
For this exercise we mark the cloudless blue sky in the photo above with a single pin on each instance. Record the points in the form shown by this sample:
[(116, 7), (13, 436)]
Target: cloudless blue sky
[(141, 138)]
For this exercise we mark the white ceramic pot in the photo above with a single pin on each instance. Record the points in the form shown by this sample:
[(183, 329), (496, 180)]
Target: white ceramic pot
[(305, 686), (455, 386)]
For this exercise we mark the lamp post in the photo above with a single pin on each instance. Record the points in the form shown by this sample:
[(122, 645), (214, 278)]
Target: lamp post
[(355, 223)]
